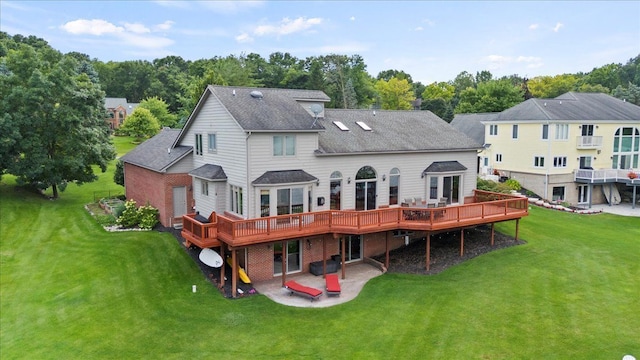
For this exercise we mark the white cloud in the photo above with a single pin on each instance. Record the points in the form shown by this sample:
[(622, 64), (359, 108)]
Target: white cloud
[(91, 27), (244, 38), (353, 18), (557, 27), (136, 28), (419, 28), (429, 22), (534, 26), (164, 26), (287, 26)]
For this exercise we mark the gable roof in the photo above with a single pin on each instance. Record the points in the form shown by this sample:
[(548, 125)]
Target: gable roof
[(284, 177), (391, 131), (209, 172), (471, 124), (444, 166), (572, 106), (153, 155), (112, 103)]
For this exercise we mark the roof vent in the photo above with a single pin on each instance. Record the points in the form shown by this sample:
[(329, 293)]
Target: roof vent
[(256, 94), (234, 92), (560, 102)]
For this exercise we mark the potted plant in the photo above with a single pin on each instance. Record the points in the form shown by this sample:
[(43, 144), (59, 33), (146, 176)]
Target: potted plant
[(632, 175)]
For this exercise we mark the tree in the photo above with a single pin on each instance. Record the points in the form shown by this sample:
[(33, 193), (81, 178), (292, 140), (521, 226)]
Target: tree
[(490, 96), (140, 124), (160, 110), (547, 87), (56, 111), (118, 174), (439, 90), (395, 94)]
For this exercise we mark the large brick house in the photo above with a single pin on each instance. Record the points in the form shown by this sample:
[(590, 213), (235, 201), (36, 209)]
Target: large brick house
[(117, 111), (276, 159)]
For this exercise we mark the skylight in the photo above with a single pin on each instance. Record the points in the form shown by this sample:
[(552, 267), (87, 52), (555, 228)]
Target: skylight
[(363, 125), (341, 126)]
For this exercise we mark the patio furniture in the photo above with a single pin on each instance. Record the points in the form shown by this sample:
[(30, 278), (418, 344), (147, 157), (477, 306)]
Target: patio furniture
[(332, 284), (418, 201), (316, 267), (299, 289)]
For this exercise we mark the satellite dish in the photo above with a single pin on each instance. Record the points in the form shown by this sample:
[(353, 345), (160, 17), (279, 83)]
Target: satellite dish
[(256, 94), (316, 109)]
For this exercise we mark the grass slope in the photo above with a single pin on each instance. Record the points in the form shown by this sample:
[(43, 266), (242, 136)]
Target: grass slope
[(69, 289)]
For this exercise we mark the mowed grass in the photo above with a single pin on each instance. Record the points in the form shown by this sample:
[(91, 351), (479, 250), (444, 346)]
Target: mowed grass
[(70, 290)]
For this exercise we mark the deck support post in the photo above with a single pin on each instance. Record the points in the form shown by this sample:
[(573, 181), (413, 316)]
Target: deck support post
[(461, 242), (428, 259), (284, 262), (342, 266), (493, 232), (386, 251), (517, 228), (324, 257), (222, 250), (234, 273)]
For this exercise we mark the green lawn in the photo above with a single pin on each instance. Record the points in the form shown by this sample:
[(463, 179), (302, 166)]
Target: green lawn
[(71, 290)]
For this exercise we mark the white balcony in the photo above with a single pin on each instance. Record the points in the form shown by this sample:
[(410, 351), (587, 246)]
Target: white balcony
[(604, 175), (589, 142)]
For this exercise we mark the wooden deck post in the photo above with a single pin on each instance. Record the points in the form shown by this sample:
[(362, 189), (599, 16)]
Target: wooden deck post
[(386, 251), (428, 259), (324, 257), (284, 262), (461, 242), (234, 273), (517, 228), (342, 266), (222, 255), (492, 233)]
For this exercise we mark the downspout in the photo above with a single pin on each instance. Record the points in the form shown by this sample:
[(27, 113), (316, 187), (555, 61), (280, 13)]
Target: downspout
[(247, 147), (546, 175)]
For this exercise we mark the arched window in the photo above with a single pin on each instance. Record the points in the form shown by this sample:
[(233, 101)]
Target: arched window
[(394, 186), (626, 148), (335, 190), (366, 179)]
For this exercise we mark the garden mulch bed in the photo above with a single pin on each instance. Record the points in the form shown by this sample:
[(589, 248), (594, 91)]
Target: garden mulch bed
[(445, 250)]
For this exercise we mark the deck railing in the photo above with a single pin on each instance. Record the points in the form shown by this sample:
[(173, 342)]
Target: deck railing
[(604, 175), (490, 207)]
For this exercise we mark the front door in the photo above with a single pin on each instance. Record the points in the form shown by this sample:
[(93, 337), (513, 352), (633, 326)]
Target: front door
[(583, 194)]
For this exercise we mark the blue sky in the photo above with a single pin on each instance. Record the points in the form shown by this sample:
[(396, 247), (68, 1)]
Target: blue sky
[(431, 41)]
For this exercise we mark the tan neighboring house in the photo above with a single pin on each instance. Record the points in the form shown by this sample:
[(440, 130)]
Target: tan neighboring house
[(577, 148), (118, 109)]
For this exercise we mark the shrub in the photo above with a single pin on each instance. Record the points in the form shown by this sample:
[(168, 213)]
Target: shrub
[(148, 216), (130, 216), (513, 184), (118, 210), (488, 185)]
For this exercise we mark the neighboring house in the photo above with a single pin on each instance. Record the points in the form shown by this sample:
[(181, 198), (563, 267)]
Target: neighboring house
[(576, 148), (118, 109), (274, 167), (471, 124)]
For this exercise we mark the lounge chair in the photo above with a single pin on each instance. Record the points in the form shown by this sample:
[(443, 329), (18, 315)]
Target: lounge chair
[(332, 284), (302, 290)]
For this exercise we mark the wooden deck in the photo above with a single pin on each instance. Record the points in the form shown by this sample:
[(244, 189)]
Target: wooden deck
[(486, 208)]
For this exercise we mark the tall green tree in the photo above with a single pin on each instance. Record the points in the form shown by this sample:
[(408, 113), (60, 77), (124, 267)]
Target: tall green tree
[(160, 110), (56, 111), (548, 87), (395, 94), (140, 124), (490, 96)]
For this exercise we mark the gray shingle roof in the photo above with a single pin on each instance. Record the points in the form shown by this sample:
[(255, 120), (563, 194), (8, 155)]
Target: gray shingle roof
[(444, 166), (209, 172), (572, 106), (112, 103), (152, 154), (284, 177), (392, 131), (277, 110), (471, 124)]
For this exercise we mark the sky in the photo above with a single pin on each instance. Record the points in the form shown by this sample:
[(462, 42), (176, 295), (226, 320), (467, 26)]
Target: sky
[(429, 40)]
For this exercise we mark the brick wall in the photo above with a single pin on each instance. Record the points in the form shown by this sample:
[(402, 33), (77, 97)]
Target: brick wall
[(156, 189)]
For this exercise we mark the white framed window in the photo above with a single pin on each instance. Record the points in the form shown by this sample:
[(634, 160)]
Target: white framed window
[(284, 145), (514, 131), (498, 157), (545, 132), (562, 131), (558, 193), (394, 186), (560, 161), (236, 199), (204, 188), (493, 129), (198, 144), (585, 162), (211, 143), (538, 161)]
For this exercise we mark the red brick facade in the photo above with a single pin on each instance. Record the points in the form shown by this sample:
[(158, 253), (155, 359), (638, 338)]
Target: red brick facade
[(156, 189)]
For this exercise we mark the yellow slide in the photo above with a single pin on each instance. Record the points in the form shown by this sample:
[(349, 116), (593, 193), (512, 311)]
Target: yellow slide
[(241, 274)]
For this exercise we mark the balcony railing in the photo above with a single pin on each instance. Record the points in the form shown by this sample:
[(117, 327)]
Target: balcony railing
[(589, 142), (604, 175), (487, 208)]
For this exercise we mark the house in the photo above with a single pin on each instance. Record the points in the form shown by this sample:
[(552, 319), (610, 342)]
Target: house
[(472, 125), (118, 109), (279, 182), (577, 148)]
